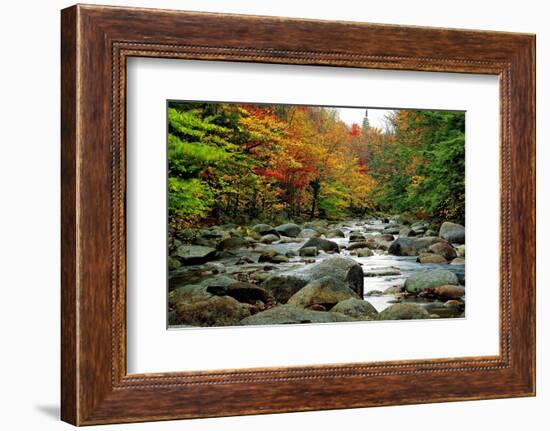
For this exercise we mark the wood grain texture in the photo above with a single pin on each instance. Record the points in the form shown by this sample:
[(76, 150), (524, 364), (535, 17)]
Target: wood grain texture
[(96, 41)]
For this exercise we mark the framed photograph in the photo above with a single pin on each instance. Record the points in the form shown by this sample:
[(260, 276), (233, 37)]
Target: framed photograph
[(264, 215)]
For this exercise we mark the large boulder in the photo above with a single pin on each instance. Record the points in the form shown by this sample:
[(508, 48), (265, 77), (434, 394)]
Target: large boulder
[(214, 311), (404, 246), (443, 249), (195, 254), (452, 232), (326, 291), (322, 244), (404, 311), (422, 280), (343, 268), (287, 283), (289, 314), (289, 229), (358, 309)]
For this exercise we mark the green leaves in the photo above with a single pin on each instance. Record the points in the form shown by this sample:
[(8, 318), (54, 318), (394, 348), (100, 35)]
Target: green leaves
[(239, 162), (427, 161), (191, 198)]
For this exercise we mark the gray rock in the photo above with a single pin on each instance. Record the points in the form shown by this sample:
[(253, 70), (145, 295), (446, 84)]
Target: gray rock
[(326, 291), (342, 268), (232, 243), (458, 261), (279, 259), (335, 233), (363, 252), (269, 238), (452, 232), (443, 249), (309, 233), (212, 233), (195, 254), (448, 292), (216, 285), (285, 284), (243, 260), (393, 230), (358, 309), (393, 290), (356, 237), (322, 244), (431, 258), (270, 256), (383, 245), (214, 311), (404, 311), (288, 314), (406, 231), (291, 253), (382, 272), (421, 280), (418, 229), (316, 224), (308, 251), (289, 229), (453, 303), (412, 246), (188, 293), (263, 229), (247, 292), (364, 244), (399, 219)]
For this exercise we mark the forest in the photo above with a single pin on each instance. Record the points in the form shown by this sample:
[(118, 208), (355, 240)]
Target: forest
[(249, 163)]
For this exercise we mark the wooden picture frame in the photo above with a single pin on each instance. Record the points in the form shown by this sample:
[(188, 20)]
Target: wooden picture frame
[(95, 43)]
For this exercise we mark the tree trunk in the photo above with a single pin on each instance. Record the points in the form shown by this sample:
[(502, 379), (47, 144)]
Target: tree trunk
[(315, 188)]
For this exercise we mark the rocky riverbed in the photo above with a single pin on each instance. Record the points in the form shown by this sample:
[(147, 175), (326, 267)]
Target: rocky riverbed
[(317, 272)]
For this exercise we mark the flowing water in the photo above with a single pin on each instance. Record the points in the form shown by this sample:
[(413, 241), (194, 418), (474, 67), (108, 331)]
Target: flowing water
[(393, 270), (381, 270)]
